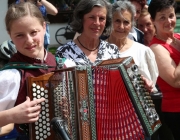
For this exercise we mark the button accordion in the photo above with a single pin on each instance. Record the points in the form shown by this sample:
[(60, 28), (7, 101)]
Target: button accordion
[(104, 102)]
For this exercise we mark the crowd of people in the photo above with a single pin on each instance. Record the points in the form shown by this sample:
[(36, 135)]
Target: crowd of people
[(138, 28)]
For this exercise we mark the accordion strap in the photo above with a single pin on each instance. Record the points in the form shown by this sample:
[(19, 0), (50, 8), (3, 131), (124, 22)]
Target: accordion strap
[(22, 65)]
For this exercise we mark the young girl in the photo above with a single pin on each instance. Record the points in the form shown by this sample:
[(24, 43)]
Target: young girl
[(26, 27)]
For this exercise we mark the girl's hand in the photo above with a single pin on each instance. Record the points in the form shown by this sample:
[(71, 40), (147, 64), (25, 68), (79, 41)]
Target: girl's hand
[(27, 112)]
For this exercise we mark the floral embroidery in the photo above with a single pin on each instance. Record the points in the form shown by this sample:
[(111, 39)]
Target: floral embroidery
[(72, 52)]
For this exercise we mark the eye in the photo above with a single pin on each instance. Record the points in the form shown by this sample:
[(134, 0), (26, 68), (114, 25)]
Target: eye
[(171, 16), (117, 21), (19, 35), (126, 22), (148, 24), (34, 32), (162, 18), (102, 18), (140, 26), (91, 17)]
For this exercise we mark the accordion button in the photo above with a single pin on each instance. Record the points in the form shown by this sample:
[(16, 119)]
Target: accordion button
[(34, 85), (134, 68), (156, 117)]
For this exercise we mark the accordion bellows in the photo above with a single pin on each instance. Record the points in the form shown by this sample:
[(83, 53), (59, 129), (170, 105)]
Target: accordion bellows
[(104, 102)]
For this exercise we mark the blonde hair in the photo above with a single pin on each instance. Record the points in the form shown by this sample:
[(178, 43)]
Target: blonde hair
[(17, 11)]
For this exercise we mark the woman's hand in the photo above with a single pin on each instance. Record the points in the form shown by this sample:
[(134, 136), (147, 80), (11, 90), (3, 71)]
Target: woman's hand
[(149, 85)]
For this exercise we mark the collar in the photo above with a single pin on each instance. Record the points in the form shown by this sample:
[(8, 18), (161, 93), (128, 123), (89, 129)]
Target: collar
[(132, 34), (45, 56)]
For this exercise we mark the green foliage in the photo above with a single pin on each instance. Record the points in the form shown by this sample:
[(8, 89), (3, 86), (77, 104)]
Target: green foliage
[(52, 50)]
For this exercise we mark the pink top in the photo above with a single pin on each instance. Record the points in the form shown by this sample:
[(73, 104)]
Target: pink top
[(171, 95)]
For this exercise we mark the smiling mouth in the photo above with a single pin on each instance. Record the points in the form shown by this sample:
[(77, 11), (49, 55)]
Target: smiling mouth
[(30, 48), (120, 32), (169, 27), (95, 30)]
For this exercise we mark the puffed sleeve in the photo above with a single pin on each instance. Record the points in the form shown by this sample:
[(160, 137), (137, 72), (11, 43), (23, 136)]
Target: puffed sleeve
[(9, 87)]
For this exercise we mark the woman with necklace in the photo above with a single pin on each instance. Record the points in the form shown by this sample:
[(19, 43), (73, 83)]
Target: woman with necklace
[(91, 19), (166, 47), (123, 19)]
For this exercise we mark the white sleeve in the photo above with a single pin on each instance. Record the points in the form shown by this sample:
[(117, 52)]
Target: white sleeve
[(9, 88), (152, 65)]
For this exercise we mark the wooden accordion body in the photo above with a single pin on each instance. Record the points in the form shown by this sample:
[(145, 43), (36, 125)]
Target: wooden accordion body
[(104, 102)]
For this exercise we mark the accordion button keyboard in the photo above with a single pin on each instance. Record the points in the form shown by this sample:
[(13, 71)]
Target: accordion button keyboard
[(42, 126)]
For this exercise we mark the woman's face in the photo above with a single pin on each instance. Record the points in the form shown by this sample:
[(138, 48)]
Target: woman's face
[(165, 20), (122, 24), (138, 10), (27, 33), (94, 22), (146, 26)]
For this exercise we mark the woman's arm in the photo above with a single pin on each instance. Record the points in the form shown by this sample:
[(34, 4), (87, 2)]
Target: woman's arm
[(51, 9), (168, 70)]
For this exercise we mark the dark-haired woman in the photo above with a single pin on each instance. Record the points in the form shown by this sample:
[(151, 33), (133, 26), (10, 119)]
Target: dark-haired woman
[(91, 20), (166, 47)]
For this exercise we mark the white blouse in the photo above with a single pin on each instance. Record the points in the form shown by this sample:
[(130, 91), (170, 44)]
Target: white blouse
[(9, 88), (145, 60)]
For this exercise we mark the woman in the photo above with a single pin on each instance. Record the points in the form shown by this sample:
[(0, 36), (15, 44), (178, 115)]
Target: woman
[(26, 28), (91, 20), (145, 24), (165, 46), (123, 20)]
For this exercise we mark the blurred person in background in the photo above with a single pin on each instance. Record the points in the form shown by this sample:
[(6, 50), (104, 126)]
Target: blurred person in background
[(136, 34), (145, 24)]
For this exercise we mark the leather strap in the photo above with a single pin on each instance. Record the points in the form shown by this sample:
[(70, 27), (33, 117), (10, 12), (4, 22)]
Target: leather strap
[(21, 65)]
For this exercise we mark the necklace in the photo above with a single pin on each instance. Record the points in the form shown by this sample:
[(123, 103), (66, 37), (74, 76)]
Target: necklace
[(173, 40), (87, 48)]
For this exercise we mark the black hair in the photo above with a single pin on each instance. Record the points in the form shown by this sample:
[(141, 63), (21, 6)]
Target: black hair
[(159, 5)]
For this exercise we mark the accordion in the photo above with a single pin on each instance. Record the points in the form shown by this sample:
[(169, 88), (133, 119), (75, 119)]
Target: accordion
[(104, 102)]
